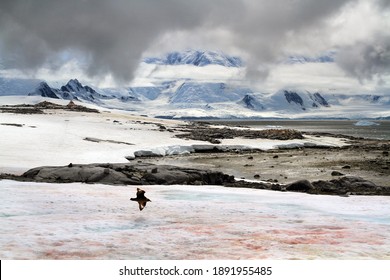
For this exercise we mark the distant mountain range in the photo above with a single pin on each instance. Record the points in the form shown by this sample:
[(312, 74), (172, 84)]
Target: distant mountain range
[(214, 99), (197, 98)]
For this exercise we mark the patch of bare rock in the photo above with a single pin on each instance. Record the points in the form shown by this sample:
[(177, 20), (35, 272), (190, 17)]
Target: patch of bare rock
[(202, 132)]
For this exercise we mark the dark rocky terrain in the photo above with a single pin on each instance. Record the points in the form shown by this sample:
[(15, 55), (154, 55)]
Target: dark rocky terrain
[(40, 108), (123, 174), (150, 174), (204, 132), (368, 159), (343, 186)]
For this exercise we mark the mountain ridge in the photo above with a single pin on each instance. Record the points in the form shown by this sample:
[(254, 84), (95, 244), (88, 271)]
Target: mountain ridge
[(197, 58), (73, 90), (208, 98)]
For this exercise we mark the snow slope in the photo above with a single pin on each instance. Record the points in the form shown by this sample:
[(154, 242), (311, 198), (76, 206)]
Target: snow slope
[(190, 93)]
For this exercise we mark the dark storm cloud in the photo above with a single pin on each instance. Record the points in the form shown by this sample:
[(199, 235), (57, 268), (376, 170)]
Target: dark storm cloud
[(384, 3), (369, 58), (267, 27), (112, 35), (365, 60)]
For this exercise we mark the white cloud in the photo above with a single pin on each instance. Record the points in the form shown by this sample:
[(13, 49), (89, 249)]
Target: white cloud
[(327, 77)]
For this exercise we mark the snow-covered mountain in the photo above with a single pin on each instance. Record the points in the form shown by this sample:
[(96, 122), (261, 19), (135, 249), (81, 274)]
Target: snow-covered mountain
[(196, 58), (251, 102), (187, 98), (73, 90), (287, 100), (188, 94), (45, 90), (303, 100)]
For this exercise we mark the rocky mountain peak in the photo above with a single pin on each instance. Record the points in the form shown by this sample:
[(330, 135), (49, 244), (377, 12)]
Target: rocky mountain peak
[(72, 90), (292, 96), (44, 90)]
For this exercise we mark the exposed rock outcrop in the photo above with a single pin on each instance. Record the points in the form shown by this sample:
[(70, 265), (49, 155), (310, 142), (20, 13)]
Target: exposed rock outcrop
[(300, 186), (151, 174), (214, 135), (293, 97), (344, 186), (125, 174), (40, 108), (349, 185)]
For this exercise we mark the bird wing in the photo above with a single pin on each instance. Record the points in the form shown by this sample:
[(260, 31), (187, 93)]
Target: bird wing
[(141, 205)]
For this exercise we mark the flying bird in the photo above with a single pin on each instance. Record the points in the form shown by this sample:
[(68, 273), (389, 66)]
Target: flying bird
[(141, 199)]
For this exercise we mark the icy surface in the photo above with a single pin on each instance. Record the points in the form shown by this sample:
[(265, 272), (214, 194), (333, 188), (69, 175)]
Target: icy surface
[(78, 221), (365, 123)]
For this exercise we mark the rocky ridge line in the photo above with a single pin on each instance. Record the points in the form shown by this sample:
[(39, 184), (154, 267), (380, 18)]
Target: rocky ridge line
[(40, 108)]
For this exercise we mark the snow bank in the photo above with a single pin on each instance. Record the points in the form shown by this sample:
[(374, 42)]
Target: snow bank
[(185, 150), (165, 151)]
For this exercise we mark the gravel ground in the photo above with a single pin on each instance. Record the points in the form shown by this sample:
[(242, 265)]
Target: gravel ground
[(363, 158)]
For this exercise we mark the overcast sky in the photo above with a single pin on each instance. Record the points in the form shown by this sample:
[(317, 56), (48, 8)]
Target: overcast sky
[(109, 38)]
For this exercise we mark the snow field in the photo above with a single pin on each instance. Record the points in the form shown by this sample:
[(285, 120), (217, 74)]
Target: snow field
[(79, 221), (58, 139)]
